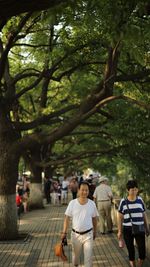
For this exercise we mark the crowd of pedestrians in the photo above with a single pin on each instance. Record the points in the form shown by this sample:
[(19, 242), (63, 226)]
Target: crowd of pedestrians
[(84, 214), (56, 190), (89, 212)]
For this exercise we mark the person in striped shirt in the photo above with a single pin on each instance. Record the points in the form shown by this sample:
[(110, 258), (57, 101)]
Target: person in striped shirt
[(135, 205)]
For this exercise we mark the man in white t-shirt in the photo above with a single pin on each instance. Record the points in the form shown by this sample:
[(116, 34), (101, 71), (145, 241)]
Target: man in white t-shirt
[(83, 213)]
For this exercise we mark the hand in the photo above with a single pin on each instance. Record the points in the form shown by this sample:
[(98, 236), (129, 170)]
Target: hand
[(119, 235), (64, 241), (147, 232), (63, 236)]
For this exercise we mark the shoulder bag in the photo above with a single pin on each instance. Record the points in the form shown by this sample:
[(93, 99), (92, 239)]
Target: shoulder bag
[(137, 229)]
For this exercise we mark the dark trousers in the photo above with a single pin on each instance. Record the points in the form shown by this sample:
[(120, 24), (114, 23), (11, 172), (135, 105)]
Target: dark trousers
[(48, 198), (74, 195), (129, 240)]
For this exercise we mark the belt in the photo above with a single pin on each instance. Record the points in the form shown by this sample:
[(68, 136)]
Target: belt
[(103, 200), (82, 233)]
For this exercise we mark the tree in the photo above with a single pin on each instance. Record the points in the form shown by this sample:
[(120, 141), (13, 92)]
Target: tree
[(90, 51), (10, 129)]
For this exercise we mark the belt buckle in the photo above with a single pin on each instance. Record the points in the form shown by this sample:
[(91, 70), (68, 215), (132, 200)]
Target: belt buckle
[(81, 233)]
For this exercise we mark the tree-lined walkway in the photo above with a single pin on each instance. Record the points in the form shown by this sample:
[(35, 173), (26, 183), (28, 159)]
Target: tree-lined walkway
[(43, 228)]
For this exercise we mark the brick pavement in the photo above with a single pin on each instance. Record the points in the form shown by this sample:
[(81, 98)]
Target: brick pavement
[(43, 228)]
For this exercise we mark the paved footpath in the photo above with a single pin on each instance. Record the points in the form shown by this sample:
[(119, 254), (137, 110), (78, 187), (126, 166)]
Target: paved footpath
[(43, 229)]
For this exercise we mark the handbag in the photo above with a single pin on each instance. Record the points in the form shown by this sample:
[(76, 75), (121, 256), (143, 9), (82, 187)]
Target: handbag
[(59, 251), (137, 229)]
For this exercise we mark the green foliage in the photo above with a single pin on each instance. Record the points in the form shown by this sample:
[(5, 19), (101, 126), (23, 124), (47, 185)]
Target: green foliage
[(68, 48)]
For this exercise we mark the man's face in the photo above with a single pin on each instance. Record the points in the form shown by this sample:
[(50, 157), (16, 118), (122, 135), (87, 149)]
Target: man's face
[(84, 191)]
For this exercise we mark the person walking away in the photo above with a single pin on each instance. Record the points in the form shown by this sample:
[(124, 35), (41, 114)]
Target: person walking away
[(103, 196), (133, 206), (59, 191), (26, 193), (19, 204), (92, 187), (47, 188), (64, 190), (74, 187), (81, 179), (83, 213)]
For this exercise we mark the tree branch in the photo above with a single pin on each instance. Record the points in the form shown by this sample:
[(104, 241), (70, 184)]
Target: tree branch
[(136, 77), (9, 44), (9, 8), (78, 156), (30, 87), (45, 119)]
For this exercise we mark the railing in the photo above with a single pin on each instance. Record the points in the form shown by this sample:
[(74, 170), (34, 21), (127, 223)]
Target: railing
[(114, 217)]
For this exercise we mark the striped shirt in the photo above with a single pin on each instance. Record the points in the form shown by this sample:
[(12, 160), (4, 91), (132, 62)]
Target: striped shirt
[(136, 210)]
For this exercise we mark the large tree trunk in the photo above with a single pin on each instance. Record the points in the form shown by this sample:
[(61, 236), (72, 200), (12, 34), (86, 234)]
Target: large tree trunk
[(36, 194), (8, 217), (8, 179)]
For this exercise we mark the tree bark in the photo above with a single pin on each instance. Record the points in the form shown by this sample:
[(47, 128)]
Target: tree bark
[(49, 172), (8, 217), (8, 177), (36, 194), (10, 8)]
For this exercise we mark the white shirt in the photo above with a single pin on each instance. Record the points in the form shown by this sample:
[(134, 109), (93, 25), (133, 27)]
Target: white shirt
[(65, 184), (81, 214)]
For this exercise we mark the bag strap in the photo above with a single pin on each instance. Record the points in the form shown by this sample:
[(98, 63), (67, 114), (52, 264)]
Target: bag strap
[(128, 210)]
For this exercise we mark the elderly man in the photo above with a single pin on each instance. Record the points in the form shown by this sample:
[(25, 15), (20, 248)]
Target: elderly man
[(103, 196), (82, 213)]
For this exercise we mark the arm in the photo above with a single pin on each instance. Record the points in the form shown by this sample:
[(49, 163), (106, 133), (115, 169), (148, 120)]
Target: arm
[(95, 196), (146, 223), (120, 221), (94, 220), (65, 227), (111, 198), (94, 199), (110, 194)]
